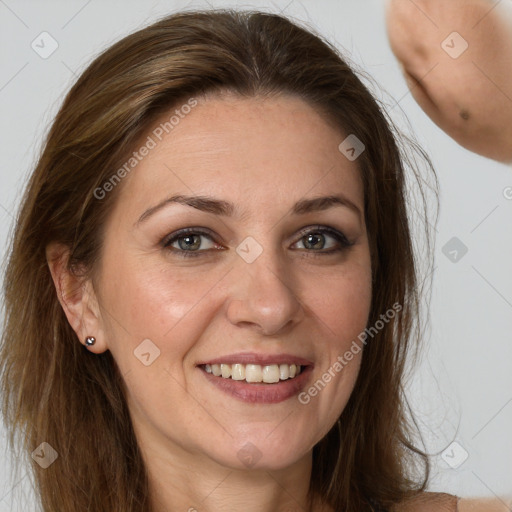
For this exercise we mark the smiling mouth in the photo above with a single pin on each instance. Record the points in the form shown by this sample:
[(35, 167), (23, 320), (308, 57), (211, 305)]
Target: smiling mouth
[(254, 373)]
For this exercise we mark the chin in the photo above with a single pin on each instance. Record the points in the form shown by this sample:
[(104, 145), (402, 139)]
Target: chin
[(261, 455)]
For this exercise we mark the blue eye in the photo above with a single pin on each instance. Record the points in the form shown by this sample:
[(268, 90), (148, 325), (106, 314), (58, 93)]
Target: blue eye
[(189, 241)]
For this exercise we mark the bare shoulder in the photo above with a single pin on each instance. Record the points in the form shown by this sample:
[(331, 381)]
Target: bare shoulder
[(429, 502), (485, 505), (443, 502)]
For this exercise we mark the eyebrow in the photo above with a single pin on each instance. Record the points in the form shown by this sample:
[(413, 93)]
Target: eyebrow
[(227, 209)]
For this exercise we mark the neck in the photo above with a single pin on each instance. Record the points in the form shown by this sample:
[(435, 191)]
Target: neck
[(196, 484)]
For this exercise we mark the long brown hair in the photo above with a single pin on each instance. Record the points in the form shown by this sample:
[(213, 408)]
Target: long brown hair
[(55, 391)]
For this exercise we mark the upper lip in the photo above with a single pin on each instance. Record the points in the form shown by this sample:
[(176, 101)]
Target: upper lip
[(261, 359)]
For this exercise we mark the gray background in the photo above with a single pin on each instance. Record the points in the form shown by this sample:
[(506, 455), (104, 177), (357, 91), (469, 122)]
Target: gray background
[(462, 388)]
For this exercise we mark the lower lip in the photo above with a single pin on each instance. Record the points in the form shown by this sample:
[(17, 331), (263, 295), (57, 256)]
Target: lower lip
[(261, 393)]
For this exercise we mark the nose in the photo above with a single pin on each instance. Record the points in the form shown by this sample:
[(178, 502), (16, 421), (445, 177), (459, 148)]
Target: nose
[(263, 297)]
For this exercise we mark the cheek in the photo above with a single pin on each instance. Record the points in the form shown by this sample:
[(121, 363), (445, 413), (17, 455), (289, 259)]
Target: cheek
[(164, 304), (341, 305), (162, 312), (342, 302)]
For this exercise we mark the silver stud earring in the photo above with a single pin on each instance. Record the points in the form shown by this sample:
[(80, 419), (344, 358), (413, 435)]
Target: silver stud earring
[(90, 341)]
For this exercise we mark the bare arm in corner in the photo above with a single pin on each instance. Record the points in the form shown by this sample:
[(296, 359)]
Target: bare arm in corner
[(443, 502), (466, 91)]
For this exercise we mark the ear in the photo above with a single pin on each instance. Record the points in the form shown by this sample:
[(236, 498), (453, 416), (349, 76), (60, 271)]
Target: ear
[(77, 298)]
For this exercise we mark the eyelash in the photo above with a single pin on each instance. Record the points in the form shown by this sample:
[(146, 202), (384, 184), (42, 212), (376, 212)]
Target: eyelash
[(340, 237)]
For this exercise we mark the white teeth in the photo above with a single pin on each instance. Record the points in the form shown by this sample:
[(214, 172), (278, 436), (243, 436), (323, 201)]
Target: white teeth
[(238, 372), (269, 374), (253, 373), (225, 370)]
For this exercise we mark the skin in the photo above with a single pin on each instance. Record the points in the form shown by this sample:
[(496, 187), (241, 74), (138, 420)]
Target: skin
[(443, 502), (264, 156), (470, 96)]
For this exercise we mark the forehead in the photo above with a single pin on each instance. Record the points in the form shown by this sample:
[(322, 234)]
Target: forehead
[(250, 150)]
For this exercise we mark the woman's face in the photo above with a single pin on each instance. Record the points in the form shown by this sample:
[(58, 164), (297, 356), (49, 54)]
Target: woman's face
[(267, 282)]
